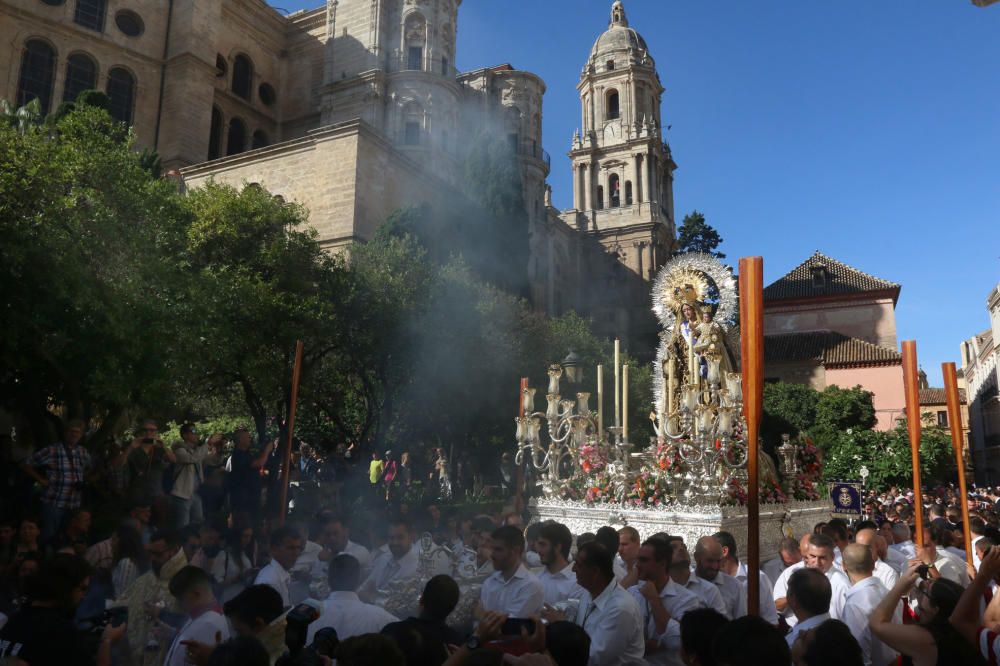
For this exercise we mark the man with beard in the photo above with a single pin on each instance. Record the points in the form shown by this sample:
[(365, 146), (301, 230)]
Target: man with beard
[(661, 601), (397, 563), (512, 589), (557, 578), (149, 594), (335, 537), (680, 573), (708, 564)]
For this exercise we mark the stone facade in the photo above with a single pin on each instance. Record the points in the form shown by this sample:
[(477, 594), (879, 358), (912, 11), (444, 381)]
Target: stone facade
[(979, 366), (355, 109)]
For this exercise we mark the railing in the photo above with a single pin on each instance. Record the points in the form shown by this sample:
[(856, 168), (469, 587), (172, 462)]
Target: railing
[(536, 151), (402, 63)]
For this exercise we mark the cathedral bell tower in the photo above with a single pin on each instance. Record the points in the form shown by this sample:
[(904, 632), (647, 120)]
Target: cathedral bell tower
[(622, 169)]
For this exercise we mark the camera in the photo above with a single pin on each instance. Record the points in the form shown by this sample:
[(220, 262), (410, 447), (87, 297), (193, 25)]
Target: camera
[(297, 623), (923, 570), (115, 616)]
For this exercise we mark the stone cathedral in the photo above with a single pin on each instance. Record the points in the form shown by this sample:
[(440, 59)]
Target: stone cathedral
[(355, 109)]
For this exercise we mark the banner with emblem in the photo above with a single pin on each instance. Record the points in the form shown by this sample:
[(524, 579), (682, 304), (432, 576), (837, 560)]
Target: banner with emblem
[(846, 498)]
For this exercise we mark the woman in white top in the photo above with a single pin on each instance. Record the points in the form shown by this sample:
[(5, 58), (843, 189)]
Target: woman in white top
[(232, 568), (129, 559)]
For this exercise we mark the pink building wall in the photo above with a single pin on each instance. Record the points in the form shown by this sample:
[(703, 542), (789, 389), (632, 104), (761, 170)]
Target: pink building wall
[(885, 382), (873, 321)]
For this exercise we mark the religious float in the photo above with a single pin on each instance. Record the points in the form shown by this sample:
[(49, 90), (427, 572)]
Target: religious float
[(691, 480)]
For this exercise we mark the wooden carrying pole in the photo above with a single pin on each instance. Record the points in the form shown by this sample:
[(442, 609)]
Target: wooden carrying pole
[(519, 473), (752, 348), (911, 388), (955, 421), (286, 463)]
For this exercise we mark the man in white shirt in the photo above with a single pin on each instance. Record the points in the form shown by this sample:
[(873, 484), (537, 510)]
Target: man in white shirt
[(809, 593), (732, 566), (662, 603), (397, 562), (903, 537), (942, 563), (608, 613), (343, 610), (819, 555), (512, 589), (788, 555), (628, 553), (335, 538), (882, 571), (680, 573), (285, 548), (708, 563), (780, 592), (836, 529), (864, 596), (192, 587), (557, 577)]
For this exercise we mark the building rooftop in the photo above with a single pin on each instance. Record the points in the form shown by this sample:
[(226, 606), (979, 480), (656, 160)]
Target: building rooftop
[(820, 275), (936, 396), (831, 349)]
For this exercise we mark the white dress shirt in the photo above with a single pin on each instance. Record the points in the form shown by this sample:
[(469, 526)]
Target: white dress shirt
[(708, 593), (975, 553), (560, 586), (358, 552), (387, 568), (886, 574), (906, 548), (614, 623), (202, 629), (732, 594), (862, 599), (951, 567), (350, 616), (767, 608), (809, 623), (521, 595), (277, 577), (773, 569), (677, 601), (897, 560), (839, 584), (621, 569), (781, 590)]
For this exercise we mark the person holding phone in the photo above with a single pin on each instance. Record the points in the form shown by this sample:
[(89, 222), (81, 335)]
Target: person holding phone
[(144, 460)]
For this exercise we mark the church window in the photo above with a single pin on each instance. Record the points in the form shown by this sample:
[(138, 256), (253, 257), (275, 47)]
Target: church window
[(610, 65), (90, 14), (81, 74), (266, 94), (38, 65), (942, 419), (259, 139), (413, 123), (129, 23), (444, 65), (628, 192), (600, 198), (243, 77), (53, 3), (215, 138), (237, 139), (612, 105), (414, 58), (614, 190), (221, 66), (121, 94), (819, 277)]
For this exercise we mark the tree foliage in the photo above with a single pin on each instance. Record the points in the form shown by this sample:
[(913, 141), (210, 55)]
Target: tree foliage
[(886, 454), (696, 235)]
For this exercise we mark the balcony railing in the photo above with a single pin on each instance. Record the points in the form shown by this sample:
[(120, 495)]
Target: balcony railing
[(402, 63)]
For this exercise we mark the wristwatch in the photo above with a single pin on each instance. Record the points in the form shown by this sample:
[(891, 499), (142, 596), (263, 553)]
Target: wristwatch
[(473, 642)]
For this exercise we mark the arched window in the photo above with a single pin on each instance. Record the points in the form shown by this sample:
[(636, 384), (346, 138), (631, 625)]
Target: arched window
[(38, 68), (243, 77), (628, 192), (614, 190), (237, 140), (215, 137), (259, 139), (81, 74), (600, 198), (121, 93), (609, 65), (413, 124), (414, 39), (90, 14), (611, 105), (221, 66)]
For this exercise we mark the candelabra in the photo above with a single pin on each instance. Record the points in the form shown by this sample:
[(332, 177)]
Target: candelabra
[(707, 428), (571, 424)]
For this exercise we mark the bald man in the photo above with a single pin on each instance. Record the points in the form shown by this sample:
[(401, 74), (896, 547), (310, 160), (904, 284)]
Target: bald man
[(708, 565), (781, 585), (885, 573), (865, 594)]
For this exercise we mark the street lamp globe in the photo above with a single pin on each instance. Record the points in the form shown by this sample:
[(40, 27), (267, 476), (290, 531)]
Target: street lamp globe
[(573, 366)]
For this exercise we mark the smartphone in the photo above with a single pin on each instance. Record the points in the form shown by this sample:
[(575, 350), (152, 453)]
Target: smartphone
[(512, 626)]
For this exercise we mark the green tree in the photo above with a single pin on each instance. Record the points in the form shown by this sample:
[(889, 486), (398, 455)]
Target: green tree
[(887, 456), (696, 235), (788, 409), (839, 409)]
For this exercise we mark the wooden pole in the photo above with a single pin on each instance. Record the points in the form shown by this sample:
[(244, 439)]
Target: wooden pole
[(955, 421), (286, 464), (752, 347), (519, 473), (911, 388)]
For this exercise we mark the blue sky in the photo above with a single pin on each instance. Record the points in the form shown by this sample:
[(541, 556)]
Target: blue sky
[(867, 130)]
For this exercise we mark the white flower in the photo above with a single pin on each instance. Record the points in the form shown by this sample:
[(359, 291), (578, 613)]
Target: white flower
[(850, 431)]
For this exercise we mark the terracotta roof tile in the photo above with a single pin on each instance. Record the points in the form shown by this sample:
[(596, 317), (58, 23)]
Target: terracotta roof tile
[(839, 279), (936, 396), (830, 348)]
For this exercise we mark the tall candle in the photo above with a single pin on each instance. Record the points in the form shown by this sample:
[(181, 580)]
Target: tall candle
[(600, 401), (618, 383), (625, 403), (669, 398)]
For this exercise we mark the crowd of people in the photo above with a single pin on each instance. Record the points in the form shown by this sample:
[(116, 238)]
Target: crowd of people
[(184, 576)]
